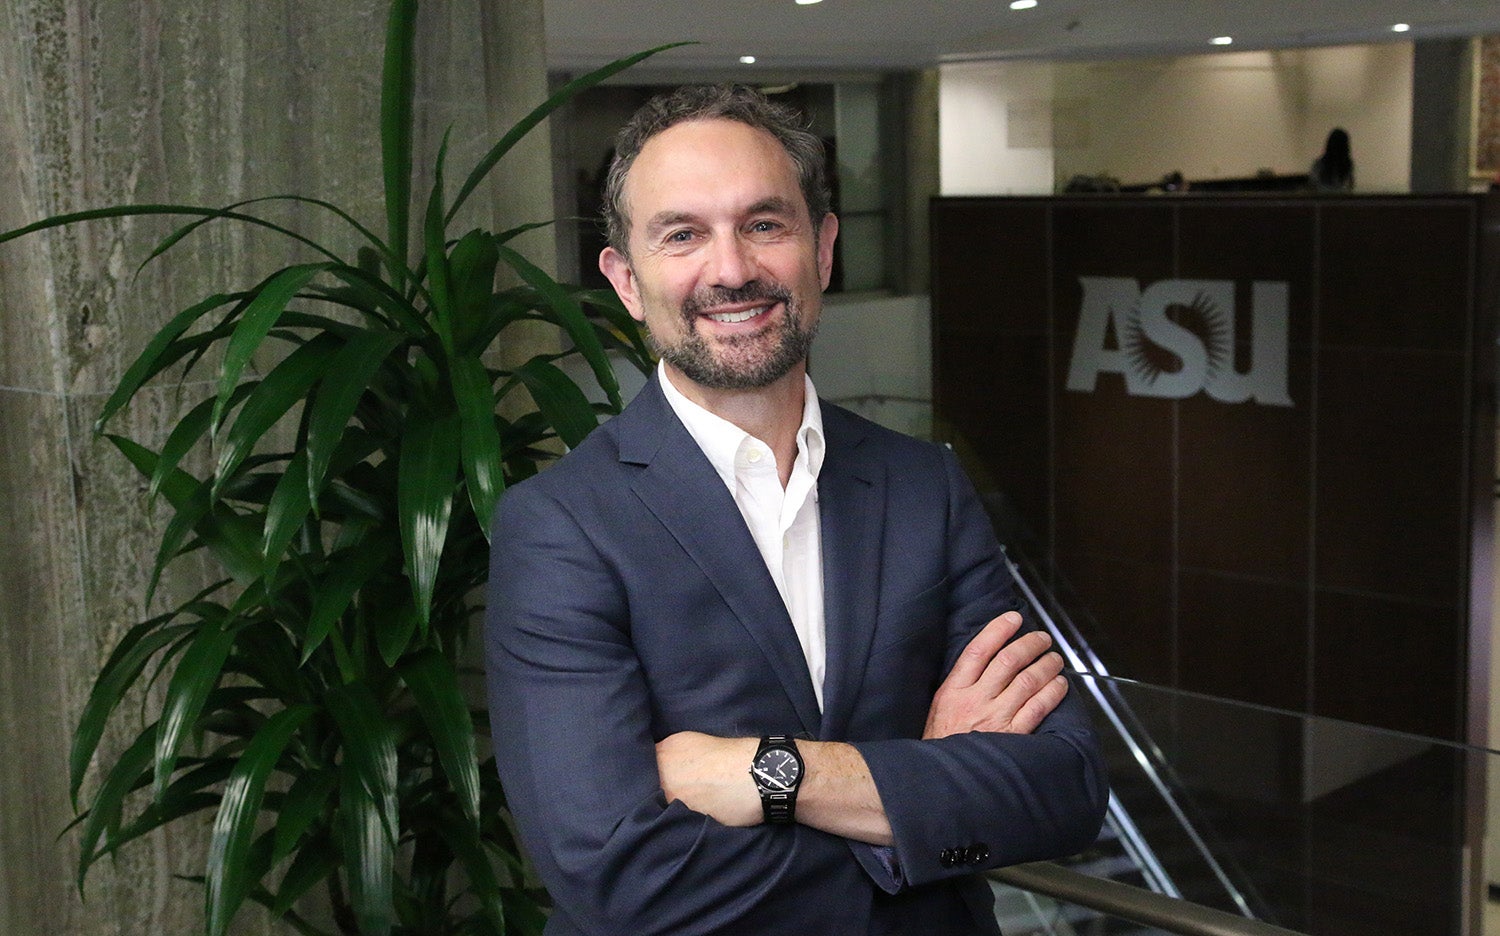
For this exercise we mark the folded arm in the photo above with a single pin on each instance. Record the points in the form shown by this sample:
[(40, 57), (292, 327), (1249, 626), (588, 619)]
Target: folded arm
[(572, 717), (997, 685)]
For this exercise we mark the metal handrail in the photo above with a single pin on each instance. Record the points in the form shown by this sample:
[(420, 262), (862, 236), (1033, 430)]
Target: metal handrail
[(1135, 904), (1074, 648)]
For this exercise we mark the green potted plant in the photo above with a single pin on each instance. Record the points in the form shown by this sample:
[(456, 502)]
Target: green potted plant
[(313, 697)]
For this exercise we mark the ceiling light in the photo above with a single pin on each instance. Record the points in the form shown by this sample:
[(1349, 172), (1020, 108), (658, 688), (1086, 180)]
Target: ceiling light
[(1222, 40), (747, 60), (807, 2), (1401, 27), (1022, 4)]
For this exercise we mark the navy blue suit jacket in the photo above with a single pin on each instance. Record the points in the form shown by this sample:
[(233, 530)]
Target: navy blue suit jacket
[(628, 601)]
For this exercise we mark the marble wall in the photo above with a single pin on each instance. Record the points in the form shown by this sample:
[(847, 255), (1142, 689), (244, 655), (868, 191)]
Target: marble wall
[(118, 101)]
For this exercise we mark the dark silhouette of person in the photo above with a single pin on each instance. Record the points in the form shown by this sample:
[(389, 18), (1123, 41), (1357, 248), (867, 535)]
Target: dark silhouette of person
[(1334, 170)]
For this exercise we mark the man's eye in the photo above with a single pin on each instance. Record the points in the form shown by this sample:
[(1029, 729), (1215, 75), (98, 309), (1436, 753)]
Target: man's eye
[(679, 237), (763, 227)]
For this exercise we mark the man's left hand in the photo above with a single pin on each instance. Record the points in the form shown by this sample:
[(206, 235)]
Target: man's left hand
[(710, 775)]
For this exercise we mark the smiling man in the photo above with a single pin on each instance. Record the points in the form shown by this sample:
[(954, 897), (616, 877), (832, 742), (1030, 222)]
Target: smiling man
[(755, 664)]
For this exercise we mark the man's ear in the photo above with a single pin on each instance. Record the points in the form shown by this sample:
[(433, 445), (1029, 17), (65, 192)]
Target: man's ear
[(616, 268), (828, 232)]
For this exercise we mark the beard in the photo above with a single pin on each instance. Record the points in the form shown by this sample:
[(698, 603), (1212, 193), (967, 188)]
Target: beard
[(744, 362)]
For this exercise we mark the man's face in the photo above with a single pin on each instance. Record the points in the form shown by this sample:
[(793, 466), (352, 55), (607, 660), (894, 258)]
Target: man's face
[(724, 268)]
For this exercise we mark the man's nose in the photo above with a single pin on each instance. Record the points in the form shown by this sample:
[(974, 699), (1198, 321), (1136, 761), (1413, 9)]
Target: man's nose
[(733, 262)]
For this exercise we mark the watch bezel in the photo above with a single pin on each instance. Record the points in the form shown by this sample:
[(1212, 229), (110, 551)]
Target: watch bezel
[(779, 806)]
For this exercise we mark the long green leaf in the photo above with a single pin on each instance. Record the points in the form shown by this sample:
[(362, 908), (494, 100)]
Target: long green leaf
[(303, 805), (314, 862), (369, 856), (184, 797), (108, 803), (228, 211), (480, 438), (472, 266), (149, 363), (435, 245), (424, 498), (369, 745), (232, 538), (197, 673), (464, 841), (434, 685), (525, 124), (346, 574), (570, 316), (130, 211), (562, 404), (130, 656), (185, 435), (228, 880), (271, 298), (619, 323), (284, 387), (349, 373), (395, 624), (367, 803), (398, 87), (374, 293), (288, 507)]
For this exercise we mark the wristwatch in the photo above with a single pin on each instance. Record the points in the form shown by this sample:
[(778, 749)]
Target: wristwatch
[(777, 771)]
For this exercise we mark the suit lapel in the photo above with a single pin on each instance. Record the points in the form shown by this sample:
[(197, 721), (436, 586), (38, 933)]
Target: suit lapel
[(681, 488), (851, 507)]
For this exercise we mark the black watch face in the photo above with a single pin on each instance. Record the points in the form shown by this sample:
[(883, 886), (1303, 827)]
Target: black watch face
[(777, 768)]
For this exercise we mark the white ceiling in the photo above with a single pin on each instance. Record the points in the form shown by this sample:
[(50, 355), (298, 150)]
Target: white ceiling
[(898, 34)]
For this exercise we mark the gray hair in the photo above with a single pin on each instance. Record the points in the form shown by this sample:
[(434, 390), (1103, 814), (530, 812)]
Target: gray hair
[(714, 102)]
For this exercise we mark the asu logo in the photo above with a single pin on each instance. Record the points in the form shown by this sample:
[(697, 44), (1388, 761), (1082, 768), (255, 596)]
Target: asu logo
[(1176, 355)]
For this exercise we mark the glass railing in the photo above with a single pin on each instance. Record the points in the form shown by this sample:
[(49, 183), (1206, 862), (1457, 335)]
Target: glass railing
[(1313, 824), (1322, 826)]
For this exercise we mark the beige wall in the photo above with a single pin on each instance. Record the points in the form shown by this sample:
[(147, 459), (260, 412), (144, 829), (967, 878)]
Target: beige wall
[(1208, 116), (109, 101)]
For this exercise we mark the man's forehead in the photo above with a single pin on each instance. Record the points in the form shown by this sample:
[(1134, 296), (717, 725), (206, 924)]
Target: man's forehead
[(690, 139), (711, 155)]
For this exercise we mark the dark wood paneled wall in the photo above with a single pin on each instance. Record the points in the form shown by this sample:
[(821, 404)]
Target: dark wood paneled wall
[(1313, 556), (1317, 542)]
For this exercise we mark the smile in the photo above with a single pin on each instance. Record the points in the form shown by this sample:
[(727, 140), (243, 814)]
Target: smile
[(731, 318)]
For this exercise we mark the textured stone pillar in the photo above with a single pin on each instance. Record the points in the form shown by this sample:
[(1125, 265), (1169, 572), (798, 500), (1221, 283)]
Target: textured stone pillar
[(117, 101), (1442, 95)]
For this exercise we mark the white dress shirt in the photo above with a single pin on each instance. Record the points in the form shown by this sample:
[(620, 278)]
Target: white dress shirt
[(783, 522)]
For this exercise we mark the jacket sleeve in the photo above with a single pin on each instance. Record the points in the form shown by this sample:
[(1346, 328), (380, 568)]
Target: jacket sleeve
[(981, 800), (571, 718)]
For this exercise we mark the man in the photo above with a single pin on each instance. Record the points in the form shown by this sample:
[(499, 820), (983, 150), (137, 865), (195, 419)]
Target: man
[(752, 660)]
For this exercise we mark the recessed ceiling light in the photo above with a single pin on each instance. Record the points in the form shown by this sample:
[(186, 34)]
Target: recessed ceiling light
[(1401, 27), (747, 60), (1022, 4), (807, 2), (1222, 40)]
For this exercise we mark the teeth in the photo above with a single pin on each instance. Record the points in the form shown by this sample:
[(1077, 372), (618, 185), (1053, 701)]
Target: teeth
[(732, 317)]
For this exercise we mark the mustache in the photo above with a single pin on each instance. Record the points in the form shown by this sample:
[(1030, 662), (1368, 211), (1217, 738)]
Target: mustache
[(710, 297)]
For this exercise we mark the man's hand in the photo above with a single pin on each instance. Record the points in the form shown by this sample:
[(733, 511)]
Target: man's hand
[(999, 687), (710, 775)]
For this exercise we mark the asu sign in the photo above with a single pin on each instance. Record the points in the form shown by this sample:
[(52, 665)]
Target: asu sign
[(1176, 338)]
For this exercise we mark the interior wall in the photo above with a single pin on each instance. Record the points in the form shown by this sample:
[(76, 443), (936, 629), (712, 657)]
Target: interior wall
[(976, 152), (1208, 116), (111, 102)]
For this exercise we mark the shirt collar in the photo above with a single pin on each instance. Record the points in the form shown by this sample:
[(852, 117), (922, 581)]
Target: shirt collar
[(721, 440)]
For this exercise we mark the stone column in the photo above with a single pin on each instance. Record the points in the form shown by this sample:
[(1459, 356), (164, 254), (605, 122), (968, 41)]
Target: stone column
[(119, 101), (1442, 95)]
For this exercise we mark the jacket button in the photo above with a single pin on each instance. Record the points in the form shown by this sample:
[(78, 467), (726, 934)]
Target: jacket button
[(977, 853), (948, 858)]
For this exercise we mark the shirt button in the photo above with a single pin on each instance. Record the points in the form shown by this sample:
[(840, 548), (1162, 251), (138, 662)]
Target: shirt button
[(753, 456)]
